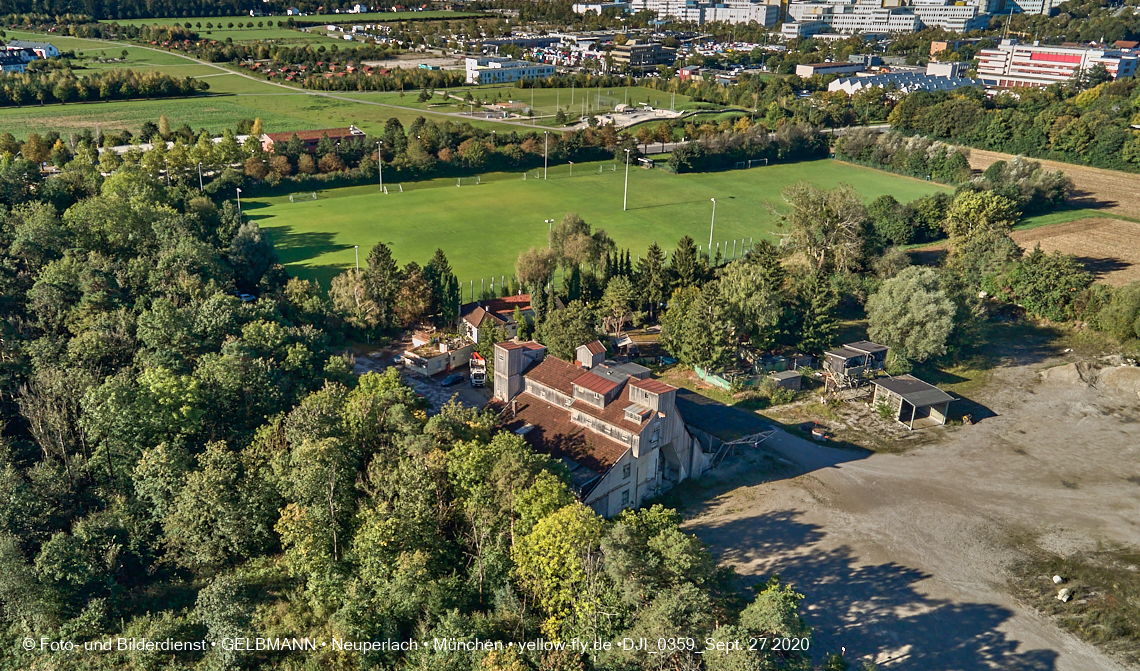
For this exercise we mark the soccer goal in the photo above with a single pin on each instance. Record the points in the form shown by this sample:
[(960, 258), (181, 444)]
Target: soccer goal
[(756, 161), (740, 165)]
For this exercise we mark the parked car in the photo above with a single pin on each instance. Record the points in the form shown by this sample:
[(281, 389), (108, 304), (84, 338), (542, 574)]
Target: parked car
[(454, 378)]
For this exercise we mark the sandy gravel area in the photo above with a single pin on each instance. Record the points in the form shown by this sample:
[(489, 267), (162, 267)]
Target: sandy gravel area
[(904, 558), (1109, 248), (1110, 190)]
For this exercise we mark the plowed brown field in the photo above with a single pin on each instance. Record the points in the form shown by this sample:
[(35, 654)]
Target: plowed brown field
[(1109, 248), (1111, 191)]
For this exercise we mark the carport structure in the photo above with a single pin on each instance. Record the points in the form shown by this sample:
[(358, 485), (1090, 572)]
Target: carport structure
[(913, 402)]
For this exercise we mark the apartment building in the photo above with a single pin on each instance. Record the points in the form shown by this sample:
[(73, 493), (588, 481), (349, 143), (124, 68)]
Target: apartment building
[(618, 432), (1014, 64), (881, 16), (763, 12), (504, 70)]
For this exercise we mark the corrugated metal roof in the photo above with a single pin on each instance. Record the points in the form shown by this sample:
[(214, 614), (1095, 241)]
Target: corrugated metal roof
[(914, 391), (653, 386), (595, 383)]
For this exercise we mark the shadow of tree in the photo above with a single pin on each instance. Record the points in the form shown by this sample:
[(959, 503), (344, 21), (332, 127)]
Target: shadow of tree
[(876, 611), (294, 247), (1100, 267)]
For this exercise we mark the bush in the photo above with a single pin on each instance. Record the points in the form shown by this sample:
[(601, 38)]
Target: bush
[(1121, 316)]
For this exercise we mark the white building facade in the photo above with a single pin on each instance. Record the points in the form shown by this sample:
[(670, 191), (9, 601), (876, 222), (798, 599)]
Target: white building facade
[(1014, 64), (504, 70)]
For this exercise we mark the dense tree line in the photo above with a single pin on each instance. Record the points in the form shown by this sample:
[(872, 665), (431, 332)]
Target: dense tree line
[(178, 463), (1075, 123), (914, 156), (133, 9), (62, 86), (726, 148)]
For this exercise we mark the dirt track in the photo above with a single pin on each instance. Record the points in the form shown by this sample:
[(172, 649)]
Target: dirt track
[(1109, 248), (903, 558), (1111, 191)]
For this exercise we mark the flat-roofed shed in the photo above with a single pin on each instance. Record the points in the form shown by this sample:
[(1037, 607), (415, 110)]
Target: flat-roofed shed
[(913, 402)]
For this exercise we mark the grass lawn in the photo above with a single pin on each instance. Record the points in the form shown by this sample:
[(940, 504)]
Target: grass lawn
[(482, 228)]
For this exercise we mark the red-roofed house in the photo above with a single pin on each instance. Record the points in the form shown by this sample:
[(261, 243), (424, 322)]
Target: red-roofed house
[(310, 138), (618, 432), (494, 312)]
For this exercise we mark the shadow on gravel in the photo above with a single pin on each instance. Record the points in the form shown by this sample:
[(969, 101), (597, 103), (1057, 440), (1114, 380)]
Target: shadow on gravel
[(876, 611)]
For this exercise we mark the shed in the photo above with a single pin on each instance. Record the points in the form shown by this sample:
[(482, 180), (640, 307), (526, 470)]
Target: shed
[(912, 401), (854, 360), (787, 379)]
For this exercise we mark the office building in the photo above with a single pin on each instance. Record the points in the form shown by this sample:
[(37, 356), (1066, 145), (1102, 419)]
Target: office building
[(642, 56), (1014, 64), (504, 70)]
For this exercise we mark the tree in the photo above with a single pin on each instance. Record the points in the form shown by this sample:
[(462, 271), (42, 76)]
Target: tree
[(912, 314), (414, 297), (382, 283), (473, 152), (664, 133), (685, 267), (350, 300), (444, 288), (562, 331), (1045, 284), (979, 213), (753, 298), (652, 279), (535, 267), (705, 334), (676, 316), (164, 127), (306, 165), (818, 323), (826, 225), (617, 301), (550, 561), (644, 137), (251, 255)]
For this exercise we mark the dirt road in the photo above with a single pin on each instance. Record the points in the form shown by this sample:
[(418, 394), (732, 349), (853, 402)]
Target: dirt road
[(903, 558)]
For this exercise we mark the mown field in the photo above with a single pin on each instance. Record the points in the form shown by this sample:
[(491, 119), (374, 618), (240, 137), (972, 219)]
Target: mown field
[(482, 228)]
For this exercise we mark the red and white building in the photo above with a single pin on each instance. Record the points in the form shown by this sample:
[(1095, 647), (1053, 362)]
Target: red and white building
[(1013, 64)]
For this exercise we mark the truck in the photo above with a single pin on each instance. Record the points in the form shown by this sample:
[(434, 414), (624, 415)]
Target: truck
[(478, 366)]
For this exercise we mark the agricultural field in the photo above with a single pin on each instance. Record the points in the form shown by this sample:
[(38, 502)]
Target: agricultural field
[(483, 227), (220, 32), (1108, 247)]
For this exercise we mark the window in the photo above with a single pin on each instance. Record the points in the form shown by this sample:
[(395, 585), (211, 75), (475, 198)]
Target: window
[(625, 498), (625, 471)]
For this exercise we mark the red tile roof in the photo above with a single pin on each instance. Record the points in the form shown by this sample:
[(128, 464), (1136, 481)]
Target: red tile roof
[(556, 374), (595, 383), (596, 347), (653, 386), (556, 435)]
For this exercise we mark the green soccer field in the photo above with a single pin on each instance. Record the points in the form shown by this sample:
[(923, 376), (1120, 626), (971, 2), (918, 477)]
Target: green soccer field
[(483, 227)]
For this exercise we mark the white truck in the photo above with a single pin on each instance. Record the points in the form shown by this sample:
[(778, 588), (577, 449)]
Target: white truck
[(478, 366)]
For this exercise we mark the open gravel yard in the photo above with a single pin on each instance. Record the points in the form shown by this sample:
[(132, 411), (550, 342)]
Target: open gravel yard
[(906, 559)]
